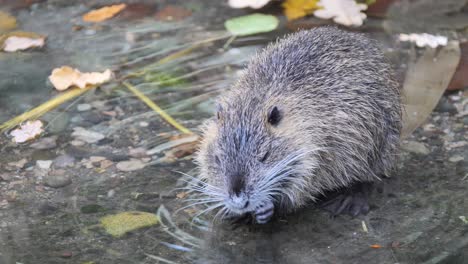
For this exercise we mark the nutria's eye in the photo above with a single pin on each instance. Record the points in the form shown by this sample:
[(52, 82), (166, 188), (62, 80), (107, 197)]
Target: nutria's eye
[(265, 157), (274, 117)]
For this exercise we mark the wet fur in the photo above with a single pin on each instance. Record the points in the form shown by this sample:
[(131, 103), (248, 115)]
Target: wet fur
[(341, 121)]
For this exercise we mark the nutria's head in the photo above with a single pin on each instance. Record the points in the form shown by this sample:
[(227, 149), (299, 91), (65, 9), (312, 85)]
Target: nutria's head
[(252, 154)]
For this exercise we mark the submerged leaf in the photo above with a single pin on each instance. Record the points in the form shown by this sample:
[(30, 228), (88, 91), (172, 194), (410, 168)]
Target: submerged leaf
[(294, 9), (103, 13), (64, 77), (27, 131), (7, 22), (121, 223), (251, 24)]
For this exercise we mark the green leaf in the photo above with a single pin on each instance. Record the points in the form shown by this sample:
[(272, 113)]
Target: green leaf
[(121, 223), (251, 24)]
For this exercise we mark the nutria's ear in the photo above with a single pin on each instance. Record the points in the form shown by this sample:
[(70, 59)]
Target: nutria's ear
[(274, 116)]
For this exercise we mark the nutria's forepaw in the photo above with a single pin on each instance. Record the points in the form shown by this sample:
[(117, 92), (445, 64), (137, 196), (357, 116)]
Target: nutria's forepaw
[(264, 212), (353, 201)]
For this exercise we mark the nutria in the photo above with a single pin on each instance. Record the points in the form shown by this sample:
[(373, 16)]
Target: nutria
[(314, 112)]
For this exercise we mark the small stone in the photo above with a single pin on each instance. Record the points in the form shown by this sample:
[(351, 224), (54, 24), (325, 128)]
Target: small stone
[(110, 193), (77, 143), (456, 158), (415, 147), (45, 143), (63, 161), (143, 124), (18, 164), (87, 135), (137, 152), (94, 159), (465, 120), (105, 164), (44, 164), (444, 106), (130, 165), (57, 180), (83, 107)]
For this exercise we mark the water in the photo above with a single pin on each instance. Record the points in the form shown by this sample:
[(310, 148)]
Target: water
[(415, 216)]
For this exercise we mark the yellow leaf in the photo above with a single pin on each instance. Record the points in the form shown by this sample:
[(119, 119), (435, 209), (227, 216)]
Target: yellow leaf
[(294, 9), (64, 77), (103, 13), (121, 223), (7, 22)]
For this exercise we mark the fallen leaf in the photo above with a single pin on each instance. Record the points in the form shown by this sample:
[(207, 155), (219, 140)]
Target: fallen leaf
[(425, 82), (104, 13), (13, 44), (376, 246), (255, 4), (130, 165), (424, 39), (7, 22), (251, 24), (294, 9), (173, 13), (64, 77), (344, 12), (121, 223), (18, 38), (137, 11), (460, 78), (27, 131)]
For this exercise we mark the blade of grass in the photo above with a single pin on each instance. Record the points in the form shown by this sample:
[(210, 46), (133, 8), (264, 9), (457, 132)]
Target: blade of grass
[(44, 108), (157, 109)]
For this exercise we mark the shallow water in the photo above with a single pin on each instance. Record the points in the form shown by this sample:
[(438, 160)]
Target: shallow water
[(416, 215)]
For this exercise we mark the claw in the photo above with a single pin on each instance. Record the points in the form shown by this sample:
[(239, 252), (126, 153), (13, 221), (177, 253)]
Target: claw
[(264, 212)]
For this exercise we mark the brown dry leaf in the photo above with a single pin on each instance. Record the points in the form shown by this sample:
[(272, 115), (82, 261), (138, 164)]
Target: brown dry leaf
[(27, 131), (7, 22), (173, 13), (425, 82), (376, 246), (294, 9), (104, 13), (64, 77)]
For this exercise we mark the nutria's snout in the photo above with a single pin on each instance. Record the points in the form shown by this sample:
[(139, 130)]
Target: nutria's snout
[(238, 203)]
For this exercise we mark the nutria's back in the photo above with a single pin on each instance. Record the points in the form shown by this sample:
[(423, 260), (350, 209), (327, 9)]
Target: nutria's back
[(316, 111)]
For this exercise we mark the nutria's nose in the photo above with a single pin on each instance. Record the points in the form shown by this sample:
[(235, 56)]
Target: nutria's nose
[(239, 202), (237, 184)]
